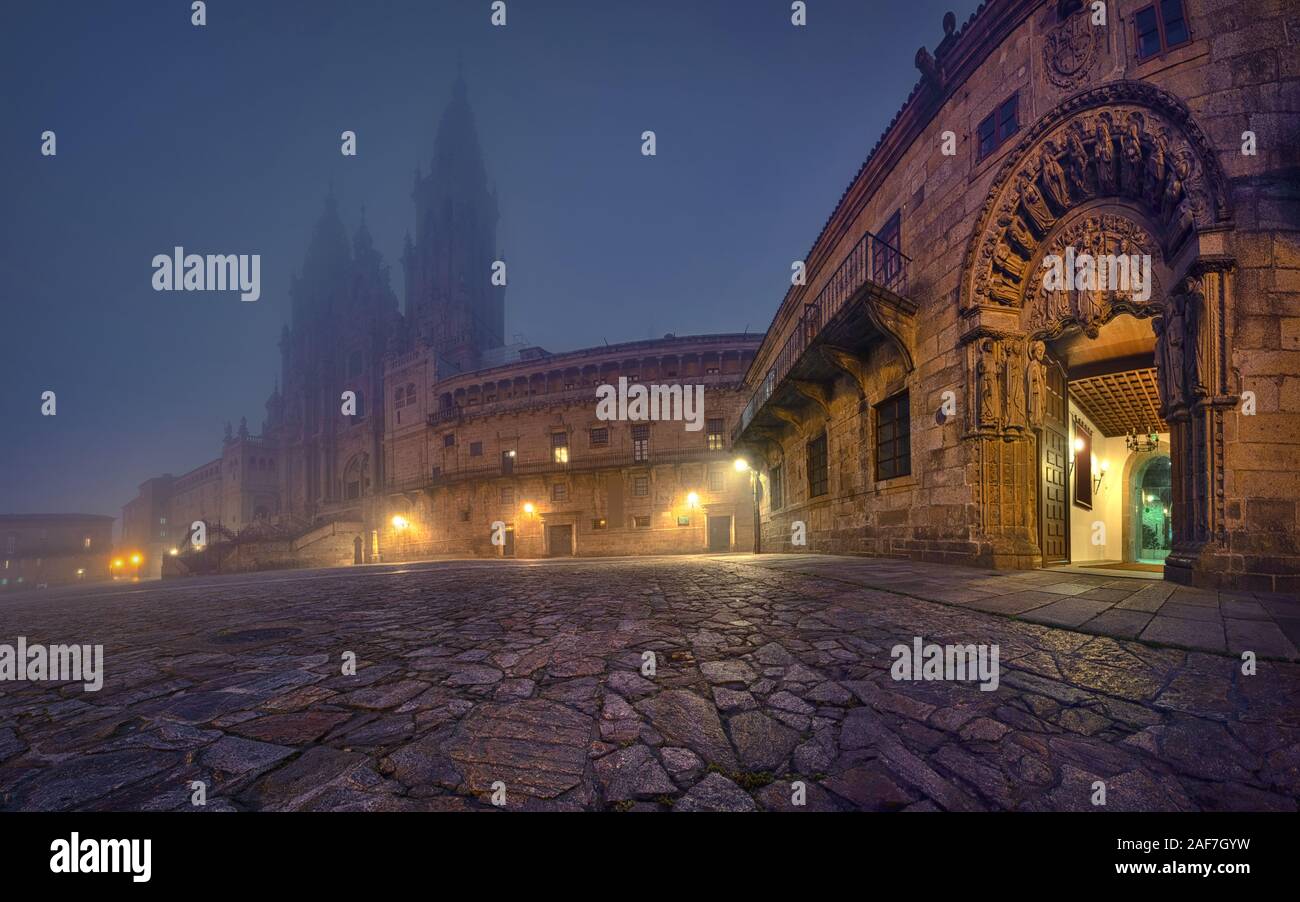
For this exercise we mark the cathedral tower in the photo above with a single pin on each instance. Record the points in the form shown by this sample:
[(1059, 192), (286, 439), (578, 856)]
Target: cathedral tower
[(451, 303)]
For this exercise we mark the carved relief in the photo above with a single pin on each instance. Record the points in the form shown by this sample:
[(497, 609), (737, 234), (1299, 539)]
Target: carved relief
[(1125, 140), (1015, 381), (989, 400), (1037, 376), (1049, 310), (1069, 50)]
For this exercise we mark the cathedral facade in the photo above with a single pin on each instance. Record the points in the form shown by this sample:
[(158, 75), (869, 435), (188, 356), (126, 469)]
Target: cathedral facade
[(937, 391)]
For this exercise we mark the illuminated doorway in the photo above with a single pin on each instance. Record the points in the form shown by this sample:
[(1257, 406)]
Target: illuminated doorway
[(1152, 502)]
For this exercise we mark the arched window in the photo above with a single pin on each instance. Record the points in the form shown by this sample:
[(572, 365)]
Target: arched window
[(356, 477), (399, 397), (410, 393)]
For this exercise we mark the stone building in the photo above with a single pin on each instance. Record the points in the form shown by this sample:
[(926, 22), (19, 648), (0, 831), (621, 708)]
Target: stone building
[(54, 549), (521, 445), (932, 393), (439, 401)]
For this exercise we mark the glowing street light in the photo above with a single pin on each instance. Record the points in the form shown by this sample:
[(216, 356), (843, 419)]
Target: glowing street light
[(174, 552), (741, 465), (528, 507), (400, 523), (693, 499), (118, 562), (135, 559)]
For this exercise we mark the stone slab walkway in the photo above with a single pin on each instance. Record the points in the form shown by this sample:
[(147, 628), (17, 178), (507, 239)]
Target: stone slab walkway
[(1123, 607), (527, 676)]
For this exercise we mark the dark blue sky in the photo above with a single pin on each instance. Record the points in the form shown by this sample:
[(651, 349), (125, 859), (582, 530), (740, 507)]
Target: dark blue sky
[(225, 139)]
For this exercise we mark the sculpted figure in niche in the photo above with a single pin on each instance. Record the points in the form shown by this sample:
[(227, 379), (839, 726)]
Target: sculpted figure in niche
[(1105, 156), (1155, 172), (1162, 363), (1034, 206), (1009, 260), (1037, 374), (1175, 334), (990, 401), (1076, 163), (1132, 147), (1197, 348), (1020, 236), (1053, 177), (1173, 193), (1015, 370)]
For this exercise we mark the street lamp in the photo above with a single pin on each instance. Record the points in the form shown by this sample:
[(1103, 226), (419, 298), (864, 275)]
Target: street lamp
[(693, 500), (400, 523)]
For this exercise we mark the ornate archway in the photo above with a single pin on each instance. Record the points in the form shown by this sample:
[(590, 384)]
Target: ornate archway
[(1119, 173)]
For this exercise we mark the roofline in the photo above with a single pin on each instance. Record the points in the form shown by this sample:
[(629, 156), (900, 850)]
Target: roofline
[(51, 518)]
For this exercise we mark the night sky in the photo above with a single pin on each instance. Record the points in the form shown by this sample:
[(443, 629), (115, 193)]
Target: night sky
[(225, 139)]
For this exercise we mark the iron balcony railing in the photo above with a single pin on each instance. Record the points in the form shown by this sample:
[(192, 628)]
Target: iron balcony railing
[(548, 465), (870, 261)]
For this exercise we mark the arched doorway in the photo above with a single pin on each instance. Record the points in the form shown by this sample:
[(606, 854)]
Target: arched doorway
[(1150, 505), (1120, 172), (357, 552)]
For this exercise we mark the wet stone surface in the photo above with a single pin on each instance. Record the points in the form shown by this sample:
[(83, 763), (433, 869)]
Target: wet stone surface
[(528, 678)]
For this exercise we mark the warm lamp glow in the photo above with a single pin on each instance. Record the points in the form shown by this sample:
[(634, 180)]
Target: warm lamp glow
[(693, 499), (1105, 465), (1078, 444), (528, 507), (400, 523), (174, 552), (135, 558), (117, 563), (741, 465)]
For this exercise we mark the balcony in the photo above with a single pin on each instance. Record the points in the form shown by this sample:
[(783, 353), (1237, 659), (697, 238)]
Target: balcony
[(541, 466), (863, 301)]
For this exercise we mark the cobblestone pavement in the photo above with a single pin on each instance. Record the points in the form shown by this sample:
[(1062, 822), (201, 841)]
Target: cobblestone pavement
[(1124, 607), (528, 673)]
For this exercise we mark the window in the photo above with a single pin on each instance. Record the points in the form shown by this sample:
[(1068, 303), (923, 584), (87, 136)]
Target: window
[(818, 470), (715, 438), (475, 449), (641, 522), (1159, 27), (598, 523), (560, 447), (507, 495), (1082, 451), (777, 479), (410, 393), (887, 261), (399, 398), (85, 543), (449, 440), (717, 480), (507, 461), (559, 492), (600, 437), (998, 125), (640, 486), (640, 442), (893, 438)]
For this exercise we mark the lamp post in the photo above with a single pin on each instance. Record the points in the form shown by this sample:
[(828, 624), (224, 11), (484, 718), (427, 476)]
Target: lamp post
[(741, 466)]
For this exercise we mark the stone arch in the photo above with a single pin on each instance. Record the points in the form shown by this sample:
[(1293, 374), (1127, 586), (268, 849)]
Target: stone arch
[(1127, 142), (1118, 169)]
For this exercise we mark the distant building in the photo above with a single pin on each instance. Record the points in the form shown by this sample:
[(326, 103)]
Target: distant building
[(454, 430), (519, 450), (54, 549)]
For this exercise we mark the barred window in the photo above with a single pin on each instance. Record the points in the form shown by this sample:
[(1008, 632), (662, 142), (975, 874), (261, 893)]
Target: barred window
[(893, 438), (717, 479), (640, 486), (600, 436), (507, 495), (560, 447), (641, 522), (559, 492), (818, 468), (475, 449), (641, 442), (777, 479)]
